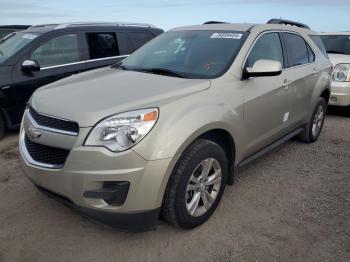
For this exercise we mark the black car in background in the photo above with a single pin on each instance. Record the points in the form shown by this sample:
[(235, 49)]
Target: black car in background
[(8, 29), (43, 54)]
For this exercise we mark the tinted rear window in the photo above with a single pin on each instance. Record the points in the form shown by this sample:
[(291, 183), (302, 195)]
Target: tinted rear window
[(102, 45), (317, 40), (296, 49), (337, 44)]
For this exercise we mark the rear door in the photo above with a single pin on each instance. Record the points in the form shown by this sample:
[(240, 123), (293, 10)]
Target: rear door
[(105, 48), (266, 101), (301, 75), (59, 56)]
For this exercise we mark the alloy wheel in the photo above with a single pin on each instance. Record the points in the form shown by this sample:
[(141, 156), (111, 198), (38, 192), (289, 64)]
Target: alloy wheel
[(203, 187)]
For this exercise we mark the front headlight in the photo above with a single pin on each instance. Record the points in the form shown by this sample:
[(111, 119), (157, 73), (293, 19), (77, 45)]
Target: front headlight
[(122, 131), (341, 73)]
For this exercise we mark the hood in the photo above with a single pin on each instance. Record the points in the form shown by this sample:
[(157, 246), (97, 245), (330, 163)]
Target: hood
[(87, 98), (339, 59)]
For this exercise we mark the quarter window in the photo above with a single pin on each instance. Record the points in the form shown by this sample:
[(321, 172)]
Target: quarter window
[(311, 54), (267, 47), (102, 45), (297, 52), (138, 39), (60, 50)]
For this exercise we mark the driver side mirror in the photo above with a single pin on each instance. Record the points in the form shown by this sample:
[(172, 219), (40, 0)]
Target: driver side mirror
[(30, 66), (263, 68)]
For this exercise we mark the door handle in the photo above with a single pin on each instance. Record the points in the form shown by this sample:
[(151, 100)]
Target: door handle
[(315, 71), (285, 84)]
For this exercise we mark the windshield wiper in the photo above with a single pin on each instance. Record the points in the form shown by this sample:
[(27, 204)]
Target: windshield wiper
[(160, 71), (336, 52)]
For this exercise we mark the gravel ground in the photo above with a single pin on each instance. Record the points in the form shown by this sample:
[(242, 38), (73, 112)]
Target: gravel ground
[(291, 205)]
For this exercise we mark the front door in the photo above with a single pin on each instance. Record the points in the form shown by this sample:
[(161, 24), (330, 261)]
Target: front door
[(266, 99)]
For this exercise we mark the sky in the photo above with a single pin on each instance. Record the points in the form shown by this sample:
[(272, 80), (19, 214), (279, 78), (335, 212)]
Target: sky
[(320, 15)]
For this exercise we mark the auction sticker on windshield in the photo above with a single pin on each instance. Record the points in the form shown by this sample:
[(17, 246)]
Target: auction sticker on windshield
[(227, 35), (29, 36)]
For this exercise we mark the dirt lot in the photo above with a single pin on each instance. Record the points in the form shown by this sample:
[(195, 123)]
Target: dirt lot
[(291, 205)]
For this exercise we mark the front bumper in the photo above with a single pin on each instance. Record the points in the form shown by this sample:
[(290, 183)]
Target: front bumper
[(88, 169), (136, 221), (340, 95)]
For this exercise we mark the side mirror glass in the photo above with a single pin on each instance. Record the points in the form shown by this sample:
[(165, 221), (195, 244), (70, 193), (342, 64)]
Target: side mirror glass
[(30, 66), (263, 68)]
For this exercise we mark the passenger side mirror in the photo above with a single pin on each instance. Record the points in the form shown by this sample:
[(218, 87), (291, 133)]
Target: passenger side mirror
[(30, 66), (263, 68)]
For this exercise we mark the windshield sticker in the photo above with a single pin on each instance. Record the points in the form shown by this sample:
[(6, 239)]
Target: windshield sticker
[(29, 36), (227, 35)]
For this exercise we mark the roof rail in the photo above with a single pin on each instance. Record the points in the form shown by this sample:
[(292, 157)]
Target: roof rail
[(214, 22), (287, 22), (43, 25), (75, 24)]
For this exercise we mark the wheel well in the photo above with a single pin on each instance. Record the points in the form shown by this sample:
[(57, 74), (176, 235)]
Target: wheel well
[(225, 140), (326, 94)]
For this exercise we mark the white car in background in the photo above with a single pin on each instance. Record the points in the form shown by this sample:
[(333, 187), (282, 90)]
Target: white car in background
[(338, 48)]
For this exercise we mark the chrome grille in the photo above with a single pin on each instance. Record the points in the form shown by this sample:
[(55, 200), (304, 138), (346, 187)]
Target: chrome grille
[(54, 123)]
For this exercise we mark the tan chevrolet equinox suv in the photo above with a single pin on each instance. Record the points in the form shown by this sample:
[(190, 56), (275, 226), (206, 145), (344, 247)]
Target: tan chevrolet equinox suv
[(161, 134)]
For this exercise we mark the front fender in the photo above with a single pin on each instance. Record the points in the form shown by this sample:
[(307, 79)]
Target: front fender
[(181, 122)]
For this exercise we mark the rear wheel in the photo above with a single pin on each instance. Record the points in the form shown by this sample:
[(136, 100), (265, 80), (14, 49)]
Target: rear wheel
[(2, 126), (196, 185), (313, 129)]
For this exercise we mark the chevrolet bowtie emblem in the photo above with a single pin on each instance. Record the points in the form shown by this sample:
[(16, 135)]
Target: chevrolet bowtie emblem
[(33, 132)]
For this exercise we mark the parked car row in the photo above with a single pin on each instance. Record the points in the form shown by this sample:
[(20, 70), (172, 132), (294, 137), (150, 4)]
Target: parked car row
[(162, 132), (43, 54)]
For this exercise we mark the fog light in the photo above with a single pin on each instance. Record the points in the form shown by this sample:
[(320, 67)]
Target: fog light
[(113, 193), (333, 99)]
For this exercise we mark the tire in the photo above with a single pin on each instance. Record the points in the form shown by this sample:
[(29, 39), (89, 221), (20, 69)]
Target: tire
[(311, 133), (2, 126), (179, 195)]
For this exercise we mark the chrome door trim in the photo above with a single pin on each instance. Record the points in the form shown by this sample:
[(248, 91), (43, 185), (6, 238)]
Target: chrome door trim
[(82, 62)]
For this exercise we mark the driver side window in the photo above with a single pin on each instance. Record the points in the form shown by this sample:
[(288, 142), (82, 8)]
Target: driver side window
[(60, 50), (267, 47)]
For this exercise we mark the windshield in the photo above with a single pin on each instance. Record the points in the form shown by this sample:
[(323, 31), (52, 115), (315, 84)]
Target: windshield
[(337, 44), (14, 42), (188, 54)]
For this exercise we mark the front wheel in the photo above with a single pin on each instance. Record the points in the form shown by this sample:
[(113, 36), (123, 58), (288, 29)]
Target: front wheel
[(313, 129), (196, 185)]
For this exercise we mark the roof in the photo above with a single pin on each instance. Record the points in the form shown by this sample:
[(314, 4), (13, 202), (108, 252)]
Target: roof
[(335, 33), (82, 24), (42, 28), (244, 27), (220, 26)]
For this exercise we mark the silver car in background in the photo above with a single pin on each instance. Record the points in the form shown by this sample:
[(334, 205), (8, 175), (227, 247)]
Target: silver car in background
[(337, 45)]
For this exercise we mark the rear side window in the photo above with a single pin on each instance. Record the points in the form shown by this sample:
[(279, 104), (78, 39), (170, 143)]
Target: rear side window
[(311, 53), (318, 41), (296, 49), (138, 39), (267, 47), (60, 50), (102, 45), (124, 45)]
